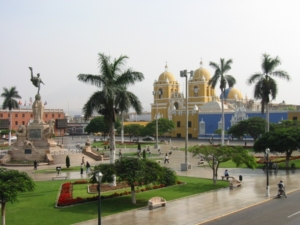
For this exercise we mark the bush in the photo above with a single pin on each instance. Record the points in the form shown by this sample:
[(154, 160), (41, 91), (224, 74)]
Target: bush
[(168, 177), (67, 161)]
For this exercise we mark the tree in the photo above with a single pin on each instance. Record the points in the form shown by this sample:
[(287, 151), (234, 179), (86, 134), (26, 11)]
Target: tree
[(265, 85), (164, 126), (10, 102), (98, 124), (219, 76), (67, 161), (133, 129), (282, 139), (11, 183), (133, 171), (254, 126), (112, 81), (217, 155)]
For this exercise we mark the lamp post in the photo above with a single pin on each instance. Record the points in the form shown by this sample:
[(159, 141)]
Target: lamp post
[(267, 151), (156, 116), (99, 178), (184, 73)]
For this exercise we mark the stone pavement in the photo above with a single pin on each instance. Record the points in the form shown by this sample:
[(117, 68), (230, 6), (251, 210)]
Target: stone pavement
[(198, 208)]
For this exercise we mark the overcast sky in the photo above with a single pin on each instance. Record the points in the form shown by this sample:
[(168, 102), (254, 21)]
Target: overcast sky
[(62, 38)]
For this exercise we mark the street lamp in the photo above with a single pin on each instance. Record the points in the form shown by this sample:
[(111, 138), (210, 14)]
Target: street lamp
[(184, 73), (99, 178), (267, 151), (156, 116)]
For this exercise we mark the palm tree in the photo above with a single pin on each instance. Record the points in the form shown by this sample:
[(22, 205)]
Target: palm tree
[(113, 96), (10, 102), (220, 71), (265, 85)]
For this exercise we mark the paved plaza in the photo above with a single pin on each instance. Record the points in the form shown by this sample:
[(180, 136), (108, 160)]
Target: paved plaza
[(194, 209)]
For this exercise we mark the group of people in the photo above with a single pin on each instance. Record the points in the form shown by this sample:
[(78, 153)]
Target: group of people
[(87, 166)]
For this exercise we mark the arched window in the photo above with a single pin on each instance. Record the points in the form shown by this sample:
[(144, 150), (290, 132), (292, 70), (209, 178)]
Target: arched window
[(176, 105), (160, 93)]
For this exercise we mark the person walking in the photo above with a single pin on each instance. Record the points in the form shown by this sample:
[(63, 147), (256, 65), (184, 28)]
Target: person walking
[(120, 153), (166, 158), (35, 165), (87, 167), (81, 168), (82, 161)]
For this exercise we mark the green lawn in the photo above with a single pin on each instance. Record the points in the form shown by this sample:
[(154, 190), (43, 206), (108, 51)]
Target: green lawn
[(36, 208)]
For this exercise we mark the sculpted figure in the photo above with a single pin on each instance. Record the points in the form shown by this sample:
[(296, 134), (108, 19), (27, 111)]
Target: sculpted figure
[(88, 143), (21, 129), (36, 81), (28, 143)]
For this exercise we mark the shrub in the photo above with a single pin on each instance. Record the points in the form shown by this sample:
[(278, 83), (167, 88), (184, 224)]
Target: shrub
[(68, 161), (168, 177)]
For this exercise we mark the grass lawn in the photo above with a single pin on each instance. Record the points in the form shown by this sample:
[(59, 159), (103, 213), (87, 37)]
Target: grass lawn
[(37, 207)]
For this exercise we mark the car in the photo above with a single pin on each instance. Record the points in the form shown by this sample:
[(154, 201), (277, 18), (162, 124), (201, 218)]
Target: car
[(148, 138)]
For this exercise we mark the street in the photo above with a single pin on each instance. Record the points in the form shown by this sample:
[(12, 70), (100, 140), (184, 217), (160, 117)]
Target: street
[(285, 211)]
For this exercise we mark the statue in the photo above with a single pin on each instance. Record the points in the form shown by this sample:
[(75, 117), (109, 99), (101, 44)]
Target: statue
[(88, 143), (49, 132), (28, 143), (38, 110), (21, 129), (36, 81)]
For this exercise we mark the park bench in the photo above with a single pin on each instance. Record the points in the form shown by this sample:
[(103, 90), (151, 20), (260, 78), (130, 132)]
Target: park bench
[(235, 183), (223, 177), (174, 148), (163, 141), (156, 201)]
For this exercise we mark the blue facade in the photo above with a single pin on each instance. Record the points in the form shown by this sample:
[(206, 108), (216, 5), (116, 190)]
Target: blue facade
[(212, 119)]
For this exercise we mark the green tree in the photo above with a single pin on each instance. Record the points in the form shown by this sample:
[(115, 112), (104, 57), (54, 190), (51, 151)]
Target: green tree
[(67, 161), (112, 81), (133, 130), (164, 126), (217, 155), (98, 124), (219, 76), (282, 139), (265, 85), (11, 183), (254, 126), (131, 170), (10, 102)]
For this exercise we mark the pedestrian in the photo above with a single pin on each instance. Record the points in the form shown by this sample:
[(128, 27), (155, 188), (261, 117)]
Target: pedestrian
[(81, 168), (82, 161), (226, 174), (166, 158), (120, 153), (105, 148), (35, 165), (159, 153), (87, 167)]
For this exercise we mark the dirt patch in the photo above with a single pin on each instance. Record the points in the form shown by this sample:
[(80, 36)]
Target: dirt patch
[(106, 187)]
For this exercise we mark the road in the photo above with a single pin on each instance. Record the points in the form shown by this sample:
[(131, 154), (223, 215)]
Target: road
[(285, 211)]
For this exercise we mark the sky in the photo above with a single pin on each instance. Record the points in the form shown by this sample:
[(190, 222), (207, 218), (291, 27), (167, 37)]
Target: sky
[(61, 39)]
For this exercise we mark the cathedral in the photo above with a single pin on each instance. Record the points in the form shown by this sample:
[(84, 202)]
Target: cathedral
[(204, 106)]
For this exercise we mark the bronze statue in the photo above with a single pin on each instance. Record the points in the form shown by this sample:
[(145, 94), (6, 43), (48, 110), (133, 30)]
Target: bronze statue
[(36, 81)]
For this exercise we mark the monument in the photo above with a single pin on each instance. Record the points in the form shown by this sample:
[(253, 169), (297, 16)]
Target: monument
[(35, 140)]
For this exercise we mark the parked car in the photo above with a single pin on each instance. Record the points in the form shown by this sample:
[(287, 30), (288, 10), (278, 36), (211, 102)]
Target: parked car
[(148, 138)]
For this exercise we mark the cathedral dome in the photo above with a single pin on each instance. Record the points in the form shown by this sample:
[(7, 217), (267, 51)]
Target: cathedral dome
[(232, 93), (166, 76), (201, 74)]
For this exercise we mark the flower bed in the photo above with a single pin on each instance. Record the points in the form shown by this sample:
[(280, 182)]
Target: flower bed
[(66, 198)]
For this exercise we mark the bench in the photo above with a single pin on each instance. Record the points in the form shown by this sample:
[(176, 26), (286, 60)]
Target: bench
[(235, 183), (174, 148), (223, 177), (59, 177), (156, 201), (162, 141)]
